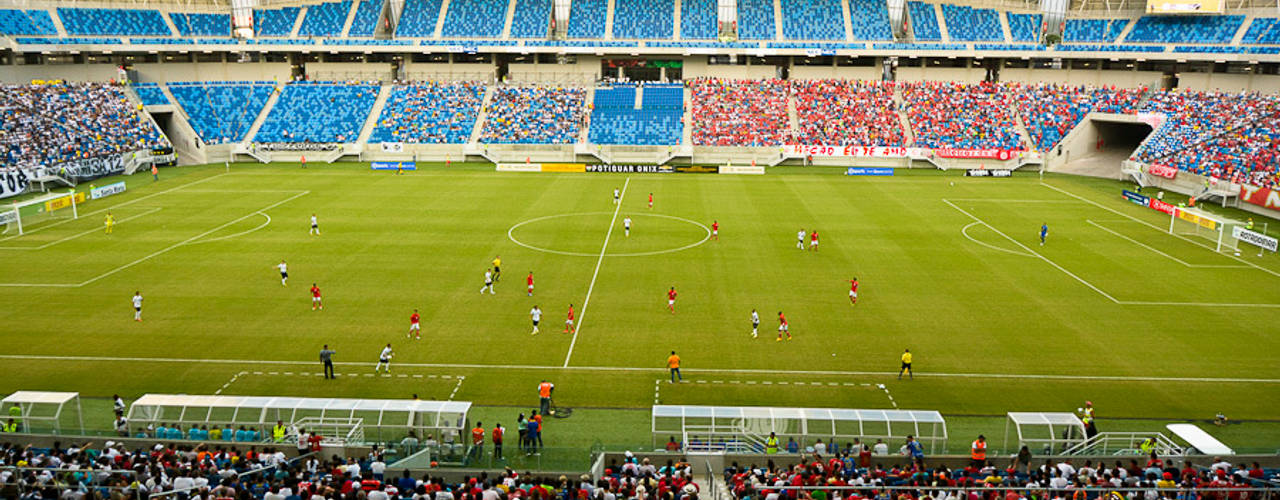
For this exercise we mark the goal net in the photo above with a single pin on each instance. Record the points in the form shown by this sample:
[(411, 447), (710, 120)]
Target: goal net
[(1215, 229), (20, 216)]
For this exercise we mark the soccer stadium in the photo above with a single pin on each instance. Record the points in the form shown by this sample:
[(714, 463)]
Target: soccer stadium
[(650, 250)]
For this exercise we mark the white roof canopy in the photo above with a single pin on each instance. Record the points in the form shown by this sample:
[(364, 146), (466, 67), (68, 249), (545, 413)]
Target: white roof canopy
[(1199, 439), (37, 397)]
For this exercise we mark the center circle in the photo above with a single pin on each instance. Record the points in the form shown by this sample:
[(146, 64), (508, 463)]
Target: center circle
[(617, 230)]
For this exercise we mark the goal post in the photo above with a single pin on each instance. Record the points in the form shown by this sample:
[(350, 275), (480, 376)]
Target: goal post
[(25, 213), (1218, 230)]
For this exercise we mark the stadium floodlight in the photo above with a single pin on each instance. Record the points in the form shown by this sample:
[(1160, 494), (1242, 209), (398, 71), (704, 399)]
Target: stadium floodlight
[(40, 208), (1186, 221)]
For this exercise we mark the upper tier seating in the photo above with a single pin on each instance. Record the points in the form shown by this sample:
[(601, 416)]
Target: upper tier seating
[(46, 124), (870, 20), (150, 94), (755, 20), (698, 20), (368, 13), (739, 113), (968, 24), (1025, 27), (924, 21), (812, 20), (1093, 30), (318, 112), (419, 18), (201, 23), (78, 21), (960, 115), (221, 112), (474, 18), (429, 113), (659, 121), (847, 113), (275, 22), (532, 19), (26, 22), (534, 115), (1185, 29), (1050, 111), (587, 18), (643, 18), (1263, 30), (325, 19)]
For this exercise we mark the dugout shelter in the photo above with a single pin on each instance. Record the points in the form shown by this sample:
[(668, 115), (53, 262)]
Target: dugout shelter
[(745, 428)]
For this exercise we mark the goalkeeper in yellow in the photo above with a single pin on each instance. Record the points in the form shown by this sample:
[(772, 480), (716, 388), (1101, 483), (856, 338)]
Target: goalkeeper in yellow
[(906, 365), (110, 222)]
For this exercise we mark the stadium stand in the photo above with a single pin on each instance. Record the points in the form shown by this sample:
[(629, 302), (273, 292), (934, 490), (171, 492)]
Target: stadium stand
[(1050, 111), (221, 112), (1214, 133), (1244, 154), (532, 19), (44, 124), (739, 113), (26, 22), (534, 115), (698, 20), (658, 121), (643, 18), (870, 20), (368, 13), (325, 19), (812, 20), (1093, 30), (150, 94), (474, 18), (968, 24), (1262, 30), (847, 113), (275, 22), (961, 115), (418, 19), (81, 21), (1025, 27), (318, 112), (429, 113), (201, 24), (924, 22), (755, 20), (1185, 29), (587, 18)]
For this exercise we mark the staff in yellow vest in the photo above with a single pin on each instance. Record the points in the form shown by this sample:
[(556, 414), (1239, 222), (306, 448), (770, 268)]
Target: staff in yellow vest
[(978, 452), (771, 444), (278, 432), (9, 427)]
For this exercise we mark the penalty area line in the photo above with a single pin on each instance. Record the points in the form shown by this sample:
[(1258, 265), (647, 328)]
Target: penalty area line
[(582, 317)]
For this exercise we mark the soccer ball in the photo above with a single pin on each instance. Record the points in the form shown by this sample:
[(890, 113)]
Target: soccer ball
[(1237, 254), (953, 183)]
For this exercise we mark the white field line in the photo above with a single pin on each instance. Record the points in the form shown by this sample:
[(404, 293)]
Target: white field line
[(1006, 200), (1024, 247), (965, 232), (159, 252), (1153, 226), (582, 316), (456, 386), (657, 386), (634, 369), (1170, 257), (112, 207), (82, 233), (241, 233)]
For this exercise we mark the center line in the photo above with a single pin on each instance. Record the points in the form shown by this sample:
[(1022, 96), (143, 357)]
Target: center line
[(603, 248)]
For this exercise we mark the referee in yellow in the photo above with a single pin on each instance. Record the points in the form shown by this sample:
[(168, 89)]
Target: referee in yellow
[(906, 365), (110, 222)]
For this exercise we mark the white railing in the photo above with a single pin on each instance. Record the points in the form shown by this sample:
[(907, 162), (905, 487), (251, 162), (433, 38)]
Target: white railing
[(334, 431), (1124, 443)]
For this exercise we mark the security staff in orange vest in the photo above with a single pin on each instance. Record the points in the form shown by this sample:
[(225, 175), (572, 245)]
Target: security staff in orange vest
[(544, 395), (978, 452)]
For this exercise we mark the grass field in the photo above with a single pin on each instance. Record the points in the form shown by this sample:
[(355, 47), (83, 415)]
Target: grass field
[(1147, 325)]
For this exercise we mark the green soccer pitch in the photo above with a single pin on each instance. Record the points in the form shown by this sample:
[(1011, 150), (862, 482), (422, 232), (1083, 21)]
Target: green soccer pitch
[(1112, 309)]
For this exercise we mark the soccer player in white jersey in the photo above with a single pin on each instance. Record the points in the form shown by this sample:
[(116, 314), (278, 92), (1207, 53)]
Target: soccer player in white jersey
[(315, 226), (755, 323), (137, 306), (284, 273), (384, 359), (488, 282), (616, 195), (800, 238), (626, 225), (536, 315)]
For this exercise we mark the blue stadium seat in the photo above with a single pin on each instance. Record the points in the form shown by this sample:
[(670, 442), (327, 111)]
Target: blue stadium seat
[(429, 114), (587, 18), (532, 19), (1263, 30), (812, 20), (318, 112), (614, 120), (1185, 29), (643, 18), (698, 20), (755, 20), (419, 18), (26, 22), (924, 22), (968, 24), (275, 22), (150, 94), (1025, 27), (201, 24), (325, 19), (367, 15), (80, 21), (221, 112), (475, 18), (870, 20)]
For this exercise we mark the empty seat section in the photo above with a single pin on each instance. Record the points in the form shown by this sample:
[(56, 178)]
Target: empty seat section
[(201, 23), (532, 19), (275, 22), (325, 19), (150, 94), (1185, 29), (475, 18), (1025, 27), (368, 13), (643, 18), (26, 22), (812, 20), (755, 20), (870, 20), (221, 112), (659, 121), (967, 24), (698, 20), (318, 112), (78, 21), (587, 18), (1263, 30), (924, 22)]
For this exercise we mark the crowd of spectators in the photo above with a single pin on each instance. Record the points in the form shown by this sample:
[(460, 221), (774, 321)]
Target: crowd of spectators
[(739, 112), (847, 113), (534, 115), (435, 113), (1051, 110), (961, 115), (1246, 154), (44, 124)]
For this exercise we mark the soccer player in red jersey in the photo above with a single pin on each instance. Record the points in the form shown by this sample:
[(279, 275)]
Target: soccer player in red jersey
[(568, 323), (529, 281), (813, 240), (853, 290), (650, 200), (783, 326), (671, 300), (715, 230), (415, 329), (315, 298)]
